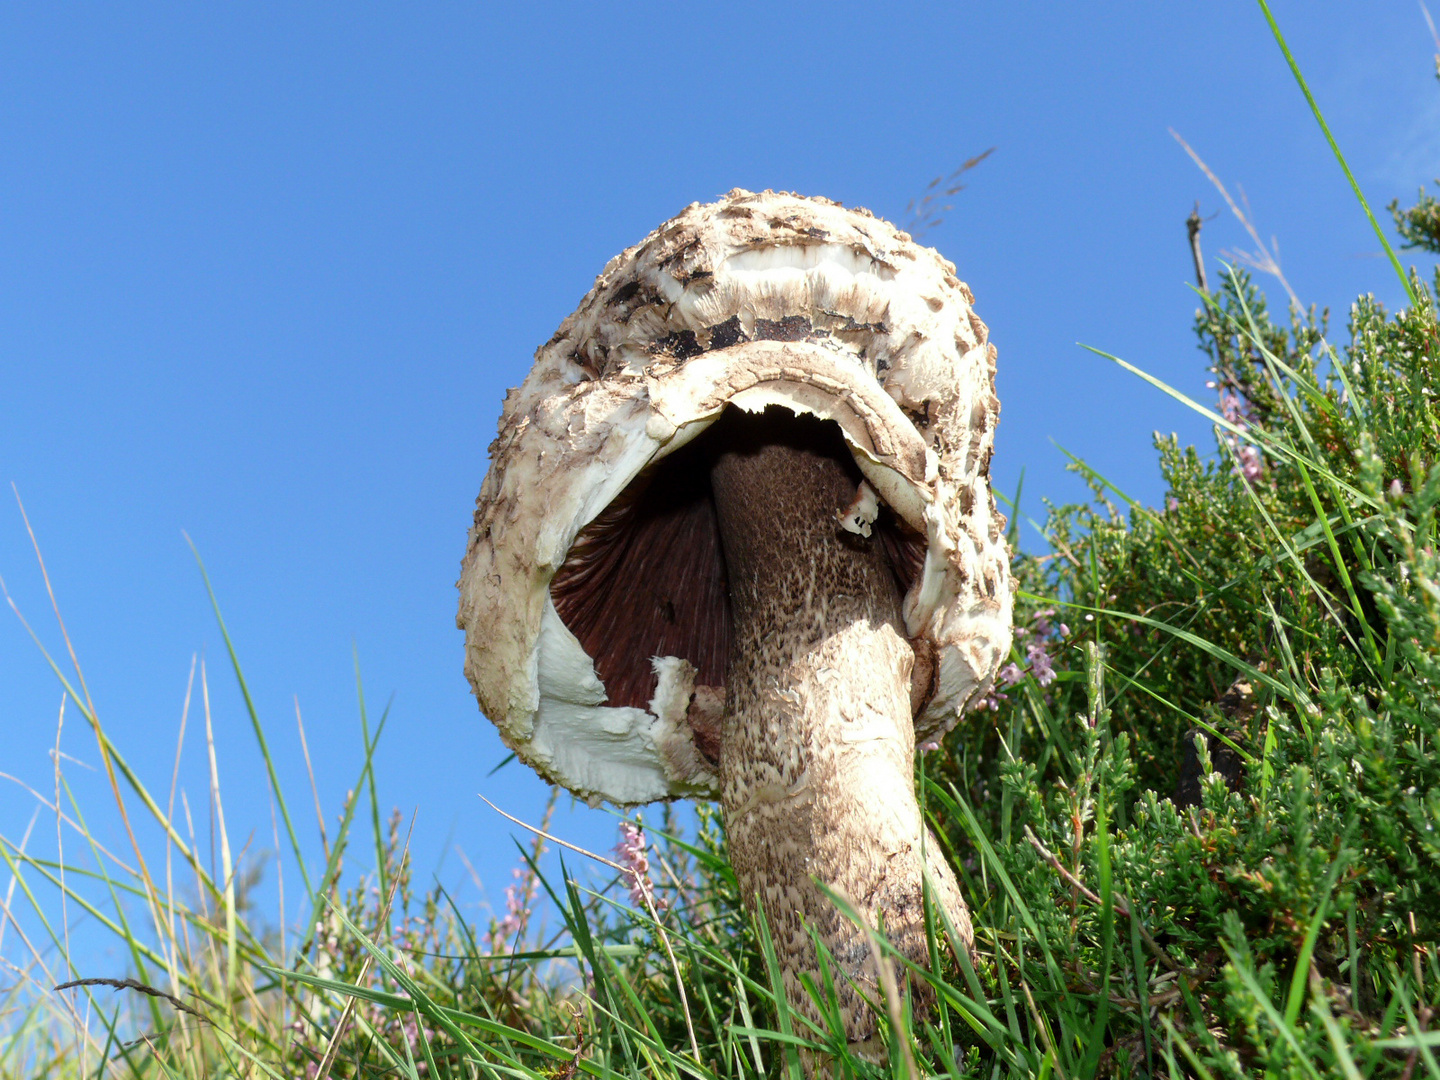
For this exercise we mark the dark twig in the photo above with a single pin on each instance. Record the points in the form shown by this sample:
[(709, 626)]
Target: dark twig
[(1192, 226), (136, 984), (1261, 259)]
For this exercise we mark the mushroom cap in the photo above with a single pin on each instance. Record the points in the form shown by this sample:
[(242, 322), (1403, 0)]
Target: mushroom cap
[(754, 301)]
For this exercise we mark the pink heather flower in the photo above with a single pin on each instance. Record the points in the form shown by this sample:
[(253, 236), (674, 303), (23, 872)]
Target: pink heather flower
[(1064, 630), (1229, 406), (517, 913), (1251, 463), (990, 701), (1397, 489), (1172, 503), (636, 861), (1010, 674), (1040, 663), (1232, 409)]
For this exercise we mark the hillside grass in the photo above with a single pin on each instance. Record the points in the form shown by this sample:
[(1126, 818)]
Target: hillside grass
[(1198, 822)]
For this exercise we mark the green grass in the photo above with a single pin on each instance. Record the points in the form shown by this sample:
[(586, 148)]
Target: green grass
[(1278, 621)]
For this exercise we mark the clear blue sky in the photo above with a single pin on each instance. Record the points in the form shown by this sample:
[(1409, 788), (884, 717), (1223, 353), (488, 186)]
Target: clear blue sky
[(266, 271)]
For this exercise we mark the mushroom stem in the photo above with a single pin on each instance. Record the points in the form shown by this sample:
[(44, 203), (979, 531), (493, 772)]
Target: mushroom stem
[(817, 743)]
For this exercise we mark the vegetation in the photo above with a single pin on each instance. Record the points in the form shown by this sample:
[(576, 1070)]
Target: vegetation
[(1199, 822)]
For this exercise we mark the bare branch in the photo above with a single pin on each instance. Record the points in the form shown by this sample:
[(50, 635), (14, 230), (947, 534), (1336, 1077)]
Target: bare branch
[(1261, 259)]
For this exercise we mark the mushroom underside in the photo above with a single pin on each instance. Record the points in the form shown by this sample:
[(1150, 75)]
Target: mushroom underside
[(647, 577)]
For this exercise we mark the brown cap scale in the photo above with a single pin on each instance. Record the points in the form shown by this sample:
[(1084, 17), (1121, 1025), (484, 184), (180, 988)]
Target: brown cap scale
[(737, 541)]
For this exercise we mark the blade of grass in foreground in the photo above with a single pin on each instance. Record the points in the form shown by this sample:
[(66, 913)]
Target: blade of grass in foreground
[(777, 988), (342, 834), (1259, 438), (1335, 149), (1095, 1041), (422, 1001), (1290, 692), (381, 871), (401, 1004), (255, 724)]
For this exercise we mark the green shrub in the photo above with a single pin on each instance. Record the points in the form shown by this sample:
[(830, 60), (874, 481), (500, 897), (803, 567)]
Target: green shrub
[(1281, 610)]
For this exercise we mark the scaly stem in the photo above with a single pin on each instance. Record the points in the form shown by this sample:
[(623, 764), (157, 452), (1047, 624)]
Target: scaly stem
[(817, 743)]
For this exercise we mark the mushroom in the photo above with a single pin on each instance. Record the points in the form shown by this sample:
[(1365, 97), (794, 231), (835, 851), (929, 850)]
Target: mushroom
[(737, 541)]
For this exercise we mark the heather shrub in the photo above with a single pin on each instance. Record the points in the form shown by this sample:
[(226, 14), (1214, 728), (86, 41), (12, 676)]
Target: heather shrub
[(1217, 799)]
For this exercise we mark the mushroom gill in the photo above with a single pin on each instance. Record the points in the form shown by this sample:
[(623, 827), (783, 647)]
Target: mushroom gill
[(647, 577)]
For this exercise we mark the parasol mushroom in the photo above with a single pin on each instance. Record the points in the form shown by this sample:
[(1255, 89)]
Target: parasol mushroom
[(737, 541)]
